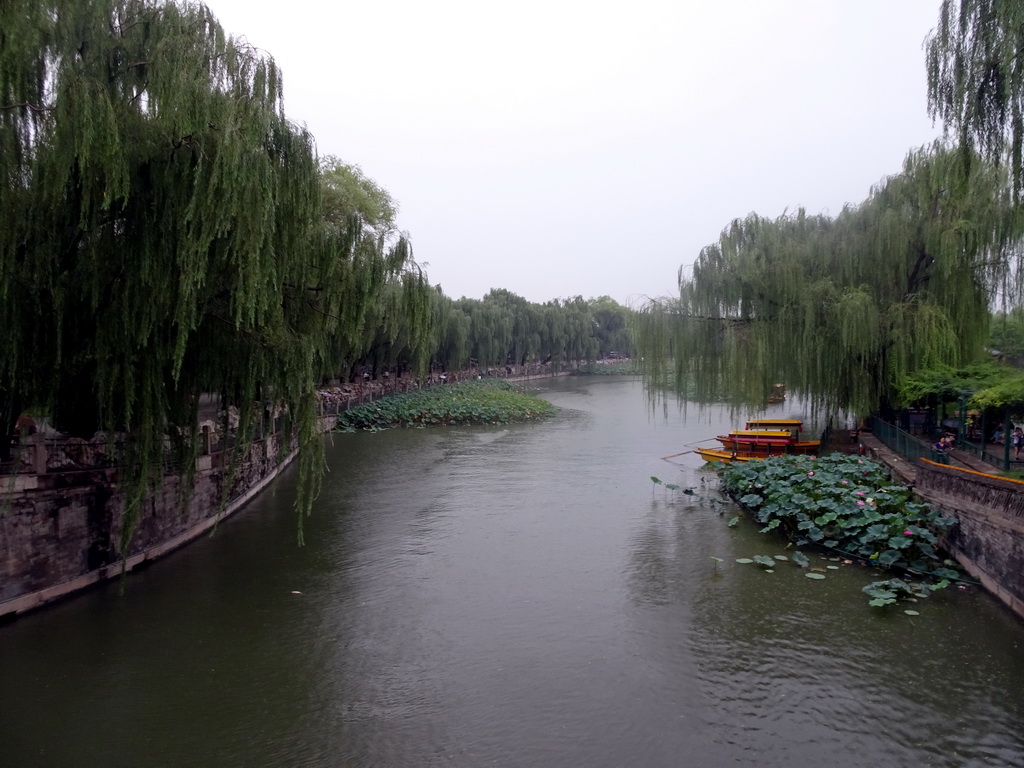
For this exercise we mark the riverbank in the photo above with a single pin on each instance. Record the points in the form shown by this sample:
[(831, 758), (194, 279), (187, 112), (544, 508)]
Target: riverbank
[(988, 541), (62, 515)]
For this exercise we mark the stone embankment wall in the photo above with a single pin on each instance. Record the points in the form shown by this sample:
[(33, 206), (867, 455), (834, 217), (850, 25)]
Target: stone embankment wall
[(988, 540), (60, 530)]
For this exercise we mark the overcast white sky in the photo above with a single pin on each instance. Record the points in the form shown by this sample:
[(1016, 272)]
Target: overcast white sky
[(559, 147)]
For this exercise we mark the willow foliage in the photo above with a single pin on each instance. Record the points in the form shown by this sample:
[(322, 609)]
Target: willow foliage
[(975, 80), (166, 231), (842, 309)]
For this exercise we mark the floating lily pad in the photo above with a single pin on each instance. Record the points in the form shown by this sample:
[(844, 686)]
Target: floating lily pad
[(732, 523), (744, 560), (769, 570), (815, 575), (832, 567), (911, 613), (780, 557)]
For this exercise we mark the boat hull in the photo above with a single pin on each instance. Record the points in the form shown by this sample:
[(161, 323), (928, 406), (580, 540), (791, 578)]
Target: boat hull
[(715, 454), (768, 446)]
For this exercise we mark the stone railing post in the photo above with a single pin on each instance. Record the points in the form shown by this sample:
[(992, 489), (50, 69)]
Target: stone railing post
[(39, 454)]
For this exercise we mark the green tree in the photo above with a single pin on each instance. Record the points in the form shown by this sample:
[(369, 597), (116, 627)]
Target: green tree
[(841, 310), (1007, 336), (975, 81), (377, 299), (166, 231), (611, 326)]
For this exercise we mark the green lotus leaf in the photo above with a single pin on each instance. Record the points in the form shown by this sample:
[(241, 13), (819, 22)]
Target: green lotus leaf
[(815, 575), (744, 560), (888, 557)]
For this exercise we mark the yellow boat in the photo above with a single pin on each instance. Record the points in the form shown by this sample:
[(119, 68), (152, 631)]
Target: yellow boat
[(717, 454), (760, 439), (771, 441)]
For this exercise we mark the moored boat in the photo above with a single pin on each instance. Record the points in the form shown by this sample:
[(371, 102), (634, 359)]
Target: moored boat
[(717, 454), (759, 439), (768, 441)]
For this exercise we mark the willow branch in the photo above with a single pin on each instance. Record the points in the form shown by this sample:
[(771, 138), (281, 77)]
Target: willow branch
[(26, 104)]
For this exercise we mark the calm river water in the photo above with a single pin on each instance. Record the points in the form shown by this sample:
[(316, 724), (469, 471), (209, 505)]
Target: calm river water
[(518, 596)]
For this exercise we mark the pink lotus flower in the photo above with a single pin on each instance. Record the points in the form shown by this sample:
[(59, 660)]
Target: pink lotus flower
[(907, 533), (860, 503), (810, 474)]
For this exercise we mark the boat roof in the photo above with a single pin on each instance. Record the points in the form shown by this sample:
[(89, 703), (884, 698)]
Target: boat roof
[(775, 433), (791, 423)]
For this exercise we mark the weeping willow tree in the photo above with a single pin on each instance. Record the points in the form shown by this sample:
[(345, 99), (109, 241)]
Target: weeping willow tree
[(975, 80), (842, 309), (380, 303), (571, 331), (611, 326), (451, 334), (163, 232)]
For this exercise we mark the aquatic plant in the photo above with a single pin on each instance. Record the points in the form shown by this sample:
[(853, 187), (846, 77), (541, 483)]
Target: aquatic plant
[(471, 402), (890, 591), (618, 368), (843, 503), (848, 505)]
